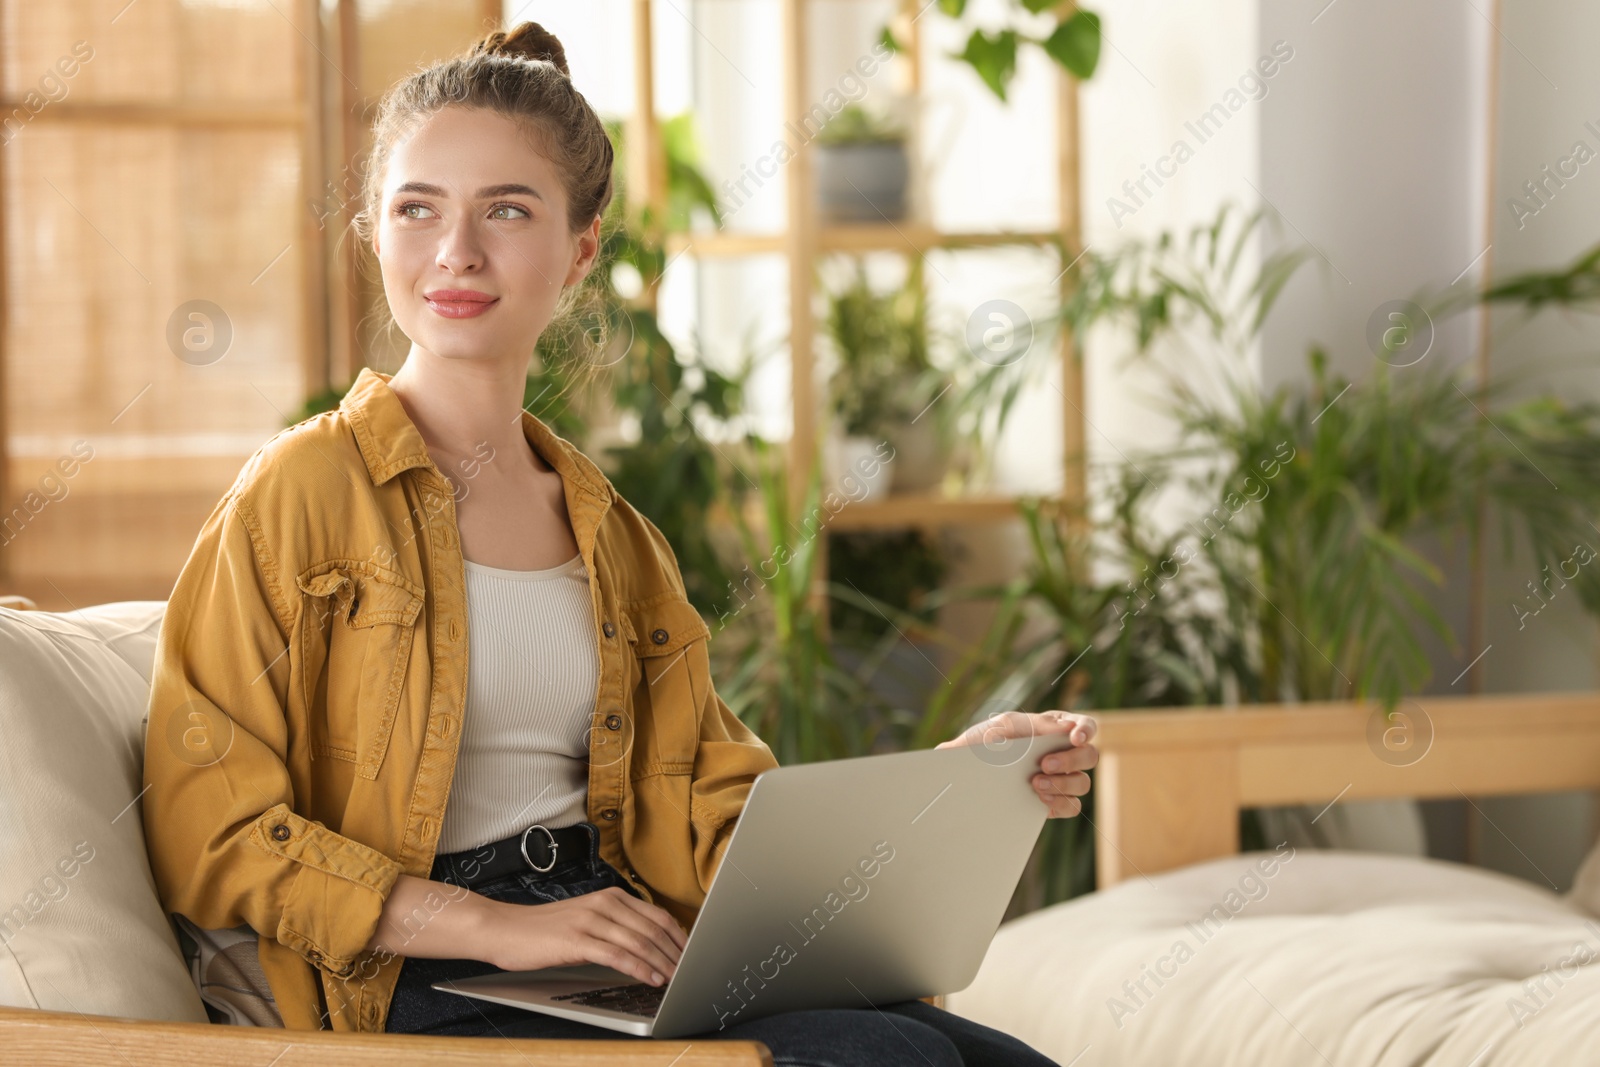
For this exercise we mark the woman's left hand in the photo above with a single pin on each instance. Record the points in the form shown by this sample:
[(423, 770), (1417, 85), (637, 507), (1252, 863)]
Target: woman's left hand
[(1062, 778)]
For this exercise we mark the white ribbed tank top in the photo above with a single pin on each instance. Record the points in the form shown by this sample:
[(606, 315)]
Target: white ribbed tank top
[(532, 666)]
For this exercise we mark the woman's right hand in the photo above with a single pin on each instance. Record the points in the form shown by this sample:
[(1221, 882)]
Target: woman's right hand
[(609, 926)]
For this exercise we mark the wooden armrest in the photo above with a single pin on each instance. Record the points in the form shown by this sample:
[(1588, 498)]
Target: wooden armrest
[(1170, 783), (50, 1038), (18, 603)]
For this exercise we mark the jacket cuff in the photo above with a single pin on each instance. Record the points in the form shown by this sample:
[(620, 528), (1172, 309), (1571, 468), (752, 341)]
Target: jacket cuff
[(336, 899)]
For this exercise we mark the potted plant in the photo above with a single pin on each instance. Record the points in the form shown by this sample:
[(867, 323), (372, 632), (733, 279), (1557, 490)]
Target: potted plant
[(862, 167), (883, 384)]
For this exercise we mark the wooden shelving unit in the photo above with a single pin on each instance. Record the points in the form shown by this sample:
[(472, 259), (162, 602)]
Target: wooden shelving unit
[(867, 237), (806, 237), (341, 65)]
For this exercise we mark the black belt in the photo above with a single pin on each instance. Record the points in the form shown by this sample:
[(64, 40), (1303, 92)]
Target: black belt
[(534, 849)]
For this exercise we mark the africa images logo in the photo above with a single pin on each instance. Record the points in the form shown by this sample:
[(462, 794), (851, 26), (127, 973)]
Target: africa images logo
[(811, 927)]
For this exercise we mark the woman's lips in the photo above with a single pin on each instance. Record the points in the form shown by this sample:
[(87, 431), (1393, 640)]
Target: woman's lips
[(457, 305)]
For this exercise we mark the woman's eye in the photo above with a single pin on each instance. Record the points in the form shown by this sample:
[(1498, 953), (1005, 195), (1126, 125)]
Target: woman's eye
[(405, 211)]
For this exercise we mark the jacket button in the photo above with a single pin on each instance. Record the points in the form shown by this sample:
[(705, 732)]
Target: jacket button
[(609, 813), (659, 637), (609, 628), (315, 956), (280, 832), (613, 722)]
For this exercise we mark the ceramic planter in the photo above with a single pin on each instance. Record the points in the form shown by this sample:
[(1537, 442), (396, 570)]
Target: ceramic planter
[(858, 468), (862, 182)]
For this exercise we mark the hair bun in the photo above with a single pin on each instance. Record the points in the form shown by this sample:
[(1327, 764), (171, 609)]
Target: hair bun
[(529, 40)]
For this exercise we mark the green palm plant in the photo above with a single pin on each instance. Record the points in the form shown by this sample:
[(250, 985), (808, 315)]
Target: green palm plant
[(1575, 286), (1297, 575), (1320, 577), (1325, 564), (779, 674)]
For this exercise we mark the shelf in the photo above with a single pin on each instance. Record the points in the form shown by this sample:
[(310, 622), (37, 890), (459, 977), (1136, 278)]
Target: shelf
[(898, 510), (925, 510), (867, 237), (802, 237)]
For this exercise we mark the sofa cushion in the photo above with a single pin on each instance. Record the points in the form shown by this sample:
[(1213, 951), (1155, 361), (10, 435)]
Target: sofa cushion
[(1300, 957), (225, 965), (81, 926)]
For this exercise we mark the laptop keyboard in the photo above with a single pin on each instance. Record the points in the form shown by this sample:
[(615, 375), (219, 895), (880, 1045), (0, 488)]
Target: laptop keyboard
[(639, 998)]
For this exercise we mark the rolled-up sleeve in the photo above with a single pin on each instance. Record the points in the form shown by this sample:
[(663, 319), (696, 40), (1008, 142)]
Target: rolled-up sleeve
[(225, 842)]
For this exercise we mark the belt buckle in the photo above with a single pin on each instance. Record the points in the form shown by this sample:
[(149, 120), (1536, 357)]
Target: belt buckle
[(553, 847)]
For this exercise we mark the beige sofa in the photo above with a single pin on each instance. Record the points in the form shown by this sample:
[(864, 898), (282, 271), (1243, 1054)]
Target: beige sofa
[(91, 969)]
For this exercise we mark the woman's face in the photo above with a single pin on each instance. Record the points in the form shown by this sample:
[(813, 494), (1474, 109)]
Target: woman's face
[(472, 237)]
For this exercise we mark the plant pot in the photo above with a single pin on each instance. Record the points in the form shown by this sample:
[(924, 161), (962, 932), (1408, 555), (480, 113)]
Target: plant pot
[(921, 458), (857, 468), (1393, 826), (862, 182)]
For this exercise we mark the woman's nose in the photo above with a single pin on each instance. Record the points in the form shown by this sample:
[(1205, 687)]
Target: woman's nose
[(461, 248)]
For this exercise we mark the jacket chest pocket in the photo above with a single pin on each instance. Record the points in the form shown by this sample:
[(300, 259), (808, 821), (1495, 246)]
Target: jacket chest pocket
[(671, 678), (360, 623)]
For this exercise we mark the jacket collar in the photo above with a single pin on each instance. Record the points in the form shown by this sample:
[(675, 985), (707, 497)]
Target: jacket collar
[(390, 442)]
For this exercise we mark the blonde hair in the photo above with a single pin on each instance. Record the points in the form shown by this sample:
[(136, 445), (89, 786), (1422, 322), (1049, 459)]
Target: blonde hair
[(522, 75)]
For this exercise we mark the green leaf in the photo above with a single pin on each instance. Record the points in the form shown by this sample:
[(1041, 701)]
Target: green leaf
[(994, 57), (1036, 6), (1075, 43), (953, 8)]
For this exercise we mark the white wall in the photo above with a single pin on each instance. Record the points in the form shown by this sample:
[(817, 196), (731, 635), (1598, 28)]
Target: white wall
[(1375, 153), (1550, 93), (1372, 152)]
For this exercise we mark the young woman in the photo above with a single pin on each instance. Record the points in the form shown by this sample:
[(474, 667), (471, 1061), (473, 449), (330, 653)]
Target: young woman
[(387, 804)]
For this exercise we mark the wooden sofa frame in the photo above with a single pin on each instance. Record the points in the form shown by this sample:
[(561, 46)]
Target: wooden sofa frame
[(1170, 783), (69, 1039)]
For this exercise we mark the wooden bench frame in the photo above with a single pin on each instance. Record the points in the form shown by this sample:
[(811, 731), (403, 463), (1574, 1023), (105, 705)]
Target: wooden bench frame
[(1170, 783), (70, 1039), (52, 1038)]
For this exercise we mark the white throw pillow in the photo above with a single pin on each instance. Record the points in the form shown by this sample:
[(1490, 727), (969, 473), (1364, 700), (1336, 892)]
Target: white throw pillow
[(81, 926)]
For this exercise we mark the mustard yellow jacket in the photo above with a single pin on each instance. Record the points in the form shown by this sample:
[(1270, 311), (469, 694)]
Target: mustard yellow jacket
[(309, 687)]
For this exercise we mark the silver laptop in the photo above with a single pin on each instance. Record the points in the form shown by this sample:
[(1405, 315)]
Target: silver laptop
[(846, 884)]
